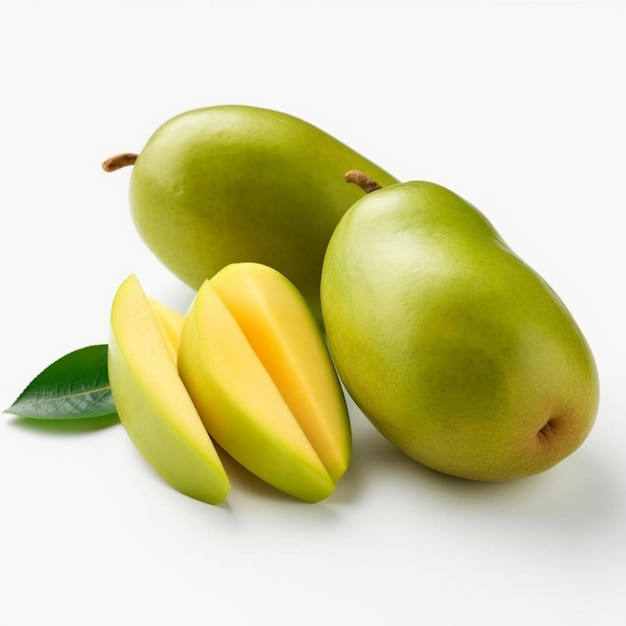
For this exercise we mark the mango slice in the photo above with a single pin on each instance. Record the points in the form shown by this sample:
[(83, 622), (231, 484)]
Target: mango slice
[(151, 400), (254, 361)]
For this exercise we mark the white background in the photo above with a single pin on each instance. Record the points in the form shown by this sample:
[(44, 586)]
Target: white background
[(517, 106)]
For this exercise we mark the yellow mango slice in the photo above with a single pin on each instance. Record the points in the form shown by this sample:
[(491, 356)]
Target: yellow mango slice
[(255, 363), (170, 323), (151, 400)]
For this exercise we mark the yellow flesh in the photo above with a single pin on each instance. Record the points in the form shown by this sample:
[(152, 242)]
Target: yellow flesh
[(285, 337), (243, 348), (170, 323), (151, 400)]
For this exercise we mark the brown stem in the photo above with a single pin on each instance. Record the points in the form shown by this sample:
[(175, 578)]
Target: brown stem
[(118, 161), (366, 183)]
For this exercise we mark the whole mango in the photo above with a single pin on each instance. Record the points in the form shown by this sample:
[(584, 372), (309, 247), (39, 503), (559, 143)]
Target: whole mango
[(456, 350), (233, 183)]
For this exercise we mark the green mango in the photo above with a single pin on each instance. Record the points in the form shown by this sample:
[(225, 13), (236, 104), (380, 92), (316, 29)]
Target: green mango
[(455, 349), (227, 184)]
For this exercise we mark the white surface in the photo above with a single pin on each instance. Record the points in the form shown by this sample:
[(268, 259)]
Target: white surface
[(519, 107)]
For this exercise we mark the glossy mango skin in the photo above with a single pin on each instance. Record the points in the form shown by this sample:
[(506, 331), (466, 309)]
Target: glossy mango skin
[(455, 349), (233, 183)]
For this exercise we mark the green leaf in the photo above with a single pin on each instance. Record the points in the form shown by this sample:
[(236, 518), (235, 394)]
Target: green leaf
[(76, 386)]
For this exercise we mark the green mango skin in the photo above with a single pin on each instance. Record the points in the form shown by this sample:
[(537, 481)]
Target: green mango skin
[(457, 351), (228, 184)]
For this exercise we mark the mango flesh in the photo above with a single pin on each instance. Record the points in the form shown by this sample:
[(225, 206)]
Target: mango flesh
[(151, 400), (170, 324), (228, 184), (255, 363), (456, 350)]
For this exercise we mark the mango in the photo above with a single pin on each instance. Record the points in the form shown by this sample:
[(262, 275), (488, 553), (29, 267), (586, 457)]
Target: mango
[(151, 400), (457, 350), (255, 363), (233, 183)]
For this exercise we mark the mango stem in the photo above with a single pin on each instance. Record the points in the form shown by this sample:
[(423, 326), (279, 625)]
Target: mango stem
[(366, 183), (118, 161)]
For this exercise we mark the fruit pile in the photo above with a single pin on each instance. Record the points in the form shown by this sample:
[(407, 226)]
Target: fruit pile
[(313, 266)]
